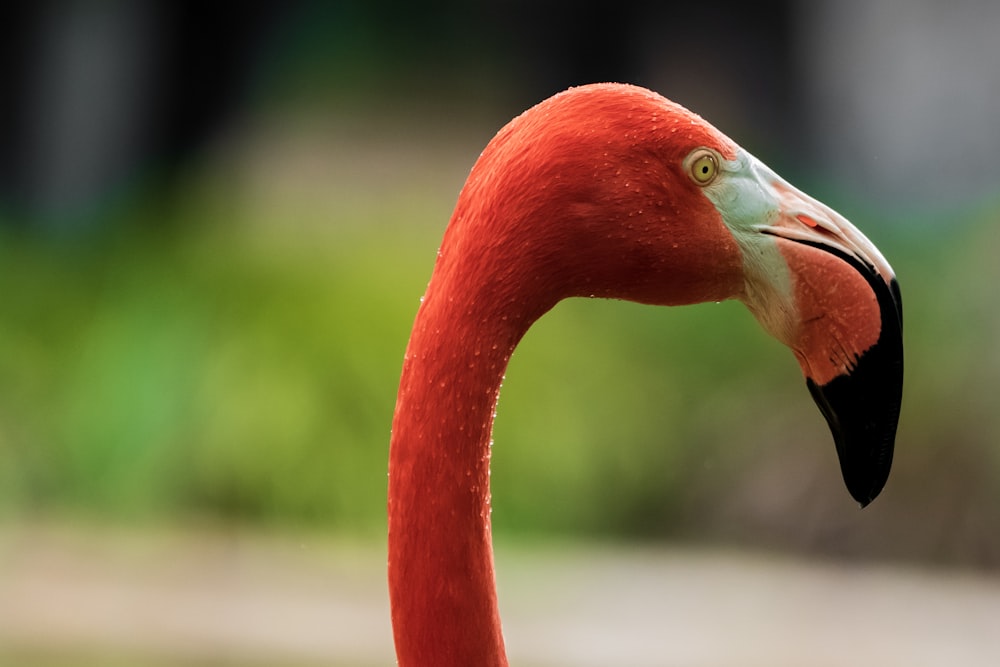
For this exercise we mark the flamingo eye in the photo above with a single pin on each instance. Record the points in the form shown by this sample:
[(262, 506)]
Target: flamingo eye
[(703, 166)]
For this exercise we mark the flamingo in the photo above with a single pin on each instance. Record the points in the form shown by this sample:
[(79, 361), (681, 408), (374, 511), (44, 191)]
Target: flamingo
[(611, 190)]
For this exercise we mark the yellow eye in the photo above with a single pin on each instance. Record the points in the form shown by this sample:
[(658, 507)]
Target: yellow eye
[(703, 166)]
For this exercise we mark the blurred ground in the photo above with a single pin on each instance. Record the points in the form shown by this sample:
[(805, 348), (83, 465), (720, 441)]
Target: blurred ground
[(72, 596)]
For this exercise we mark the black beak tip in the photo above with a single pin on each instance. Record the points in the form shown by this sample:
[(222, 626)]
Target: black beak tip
[(863, 423), (867, 492)]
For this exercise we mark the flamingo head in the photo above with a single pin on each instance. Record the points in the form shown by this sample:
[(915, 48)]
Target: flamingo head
[(613, 191)]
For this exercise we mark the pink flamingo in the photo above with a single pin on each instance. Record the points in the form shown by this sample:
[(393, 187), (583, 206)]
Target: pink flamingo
[(611, 191)]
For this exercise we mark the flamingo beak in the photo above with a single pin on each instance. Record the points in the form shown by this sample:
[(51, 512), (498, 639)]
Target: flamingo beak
[(849, 332)]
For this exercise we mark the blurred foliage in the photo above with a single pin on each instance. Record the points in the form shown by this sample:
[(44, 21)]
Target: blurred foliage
[(184, 374), (238, 368)]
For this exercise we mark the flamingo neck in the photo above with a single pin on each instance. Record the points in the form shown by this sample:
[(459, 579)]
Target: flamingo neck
[(441, 581)]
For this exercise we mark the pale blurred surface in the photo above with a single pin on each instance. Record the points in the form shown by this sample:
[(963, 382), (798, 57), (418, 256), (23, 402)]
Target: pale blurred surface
[(69, 595)]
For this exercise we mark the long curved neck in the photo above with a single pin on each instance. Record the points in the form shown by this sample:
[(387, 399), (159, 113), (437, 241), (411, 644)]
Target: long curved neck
[(441, 583), (561, 203)]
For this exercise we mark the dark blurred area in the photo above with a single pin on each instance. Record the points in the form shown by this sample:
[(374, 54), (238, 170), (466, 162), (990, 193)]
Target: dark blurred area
[(100, 97)]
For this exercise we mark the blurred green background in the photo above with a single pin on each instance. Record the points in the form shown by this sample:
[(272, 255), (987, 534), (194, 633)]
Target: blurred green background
[(216, 226)]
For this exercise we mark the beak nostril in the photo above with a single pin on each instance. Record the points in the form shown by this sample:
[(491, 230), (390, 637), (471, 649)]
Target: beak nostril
[(806, 220)]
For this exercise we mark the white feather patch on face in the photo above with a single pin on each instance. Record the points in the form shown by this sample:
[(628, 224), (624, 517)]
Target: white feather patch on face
[(745, 197)]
